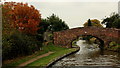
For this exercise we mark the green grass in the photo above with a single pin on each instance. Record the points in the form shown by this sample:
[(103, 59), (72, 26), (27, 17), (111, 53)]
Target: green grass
[(74, 42), (45, 60), (58, 51), (114, 46), (18, 61)]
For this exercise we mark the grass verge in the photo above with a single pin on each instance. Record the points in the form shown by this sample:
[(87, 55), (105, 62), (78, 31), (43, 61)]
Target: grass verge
[(45, 60), (58, 51)]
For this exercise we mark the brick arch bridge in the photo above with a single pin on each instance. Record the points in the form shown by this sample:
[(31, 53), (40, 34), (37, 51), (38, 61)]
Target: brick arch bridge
[(64, 38)]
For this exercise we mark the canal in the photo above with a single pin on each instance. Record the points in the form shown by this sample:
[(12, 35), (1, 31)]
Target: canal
[(90, 55)]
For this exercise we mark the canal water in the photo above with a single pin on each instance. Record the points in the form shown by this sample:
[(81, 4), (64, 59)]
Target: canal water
[(90, 55)]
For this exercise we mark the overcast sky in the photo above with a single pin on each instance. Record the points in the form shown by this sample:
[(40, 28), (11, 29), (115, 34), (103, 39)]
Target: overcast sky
[(63, 0), (75, 12)]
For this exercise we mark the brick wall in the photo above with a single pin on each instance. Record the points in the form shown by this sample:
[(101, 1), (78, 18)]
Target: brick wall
[(65, 37)]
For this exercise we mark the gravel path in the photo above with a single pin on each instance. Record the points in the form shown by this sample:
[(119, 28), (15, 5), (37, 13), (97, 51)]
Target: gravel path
[(34, 59)]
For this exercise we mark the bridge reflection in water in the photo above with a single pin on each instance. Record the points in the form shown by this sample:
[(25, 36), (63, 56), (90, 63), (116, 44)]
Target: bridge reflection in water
[(90, 55)]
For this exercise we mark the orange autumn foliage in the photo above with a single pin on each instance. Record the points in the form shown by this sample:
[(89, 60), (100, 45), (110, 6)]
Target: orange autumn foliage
[(23, 17)]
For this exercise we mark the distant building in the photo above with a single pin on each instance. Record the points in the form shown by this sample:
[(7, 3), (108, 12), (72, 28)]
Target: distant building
[(119, 7)]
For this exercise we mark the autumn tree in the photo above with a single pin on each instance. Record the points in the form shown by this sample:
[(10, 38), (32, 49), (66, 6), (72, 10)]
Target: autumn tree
[(23, 17), (94, 22), (17, 20), (6, 28)]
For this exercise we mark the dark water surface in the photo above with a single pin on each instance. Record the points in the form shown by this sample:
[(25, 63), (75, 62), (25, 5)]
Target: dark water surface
[(90, 55)]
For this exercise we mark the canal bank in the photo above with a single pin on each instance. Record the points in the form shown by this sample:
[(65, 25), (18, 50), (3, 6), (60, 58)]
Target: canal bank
[(90, 55), (43, 61), (115, 48), (61, 57)]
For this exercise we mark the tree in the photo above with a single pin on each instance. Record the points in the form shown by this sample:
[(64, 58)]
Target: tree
[(23, 17), (56, 24), (89, 23), (112, 21), (53, 23), (15, 41), (93, 22), (6, 26), (43, 26), (50, 24), (116, 24)]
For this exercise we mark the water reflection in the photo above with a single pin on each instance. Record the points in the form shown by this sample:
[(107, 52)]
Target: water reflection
[(90, 55)]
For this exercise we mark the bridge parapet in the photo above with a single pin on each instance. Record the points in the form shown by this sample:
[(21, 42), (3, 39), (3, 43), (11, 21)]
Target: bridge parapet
[(65, 37)]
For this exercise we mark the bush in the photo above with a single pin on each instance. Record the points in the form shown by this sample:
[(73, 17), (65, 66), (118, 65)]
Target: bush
[(6, 47), (111, 44), (18, 44)]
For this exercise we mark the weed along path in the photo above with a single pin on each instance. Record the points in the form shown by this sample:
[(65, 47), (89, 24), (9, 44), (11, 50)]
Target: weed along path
[(34, 59)]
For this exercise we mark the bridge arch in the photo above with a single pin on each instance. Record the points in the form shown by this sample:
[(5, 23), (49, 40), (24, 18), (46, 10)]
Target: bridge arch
[(101, 44), (65, 37)]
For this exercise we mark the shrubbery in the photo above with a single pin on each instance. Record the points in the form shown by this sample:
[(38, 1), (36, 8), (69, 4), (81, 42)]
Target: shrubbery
[(18, 44)]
